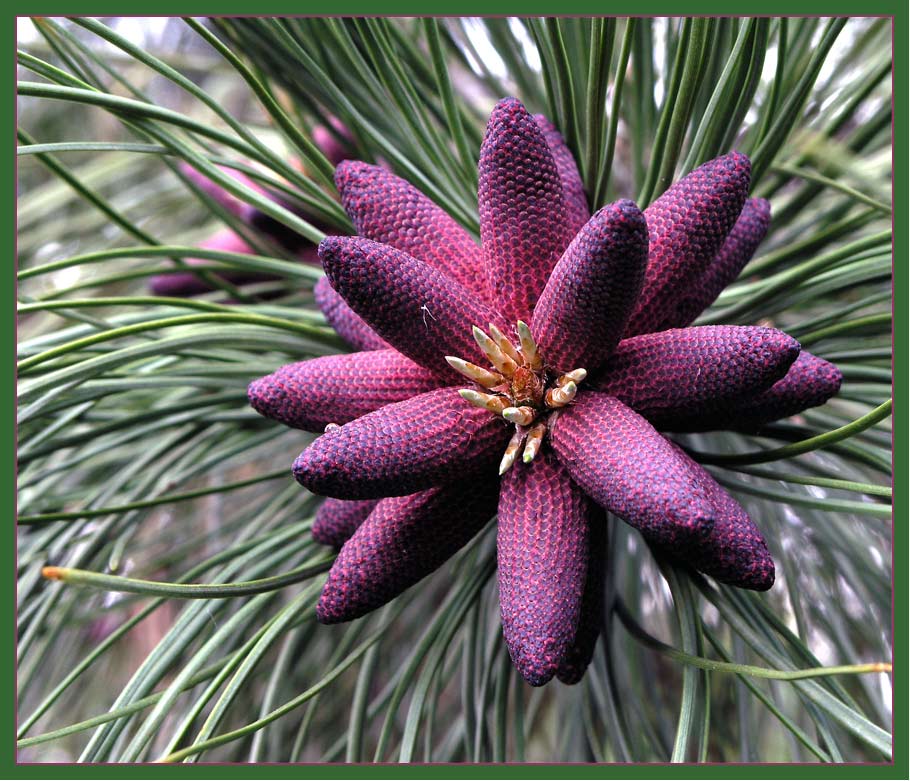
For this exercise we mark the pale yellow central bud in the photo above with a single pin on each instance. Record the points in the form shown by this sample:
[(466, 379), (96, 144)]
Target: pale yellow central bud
[(519, 388)]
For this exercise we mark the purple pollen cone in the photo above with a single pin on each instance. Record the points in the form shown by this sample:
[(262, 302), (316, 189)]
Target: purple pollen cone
[(533, 376)]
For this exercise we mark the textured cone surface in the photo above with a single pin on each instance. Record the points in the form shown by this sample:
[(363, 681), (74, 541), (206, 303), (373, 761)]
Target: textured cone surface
[(695, 371), (338, 388), (809, 382), (586, 303), (688, 225), (402, 448), (523, 222), (417, 309), (390, 210), (732, 258), (337, 519), (542, 553), (576, 662), (347, 323), (622, 463), (735, 551), (402, 541), (573, 189)]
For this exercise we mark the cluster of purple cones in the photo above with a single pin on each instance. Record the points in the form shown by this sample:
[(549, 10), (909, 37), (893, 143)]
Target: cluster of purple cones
[(532, 376)]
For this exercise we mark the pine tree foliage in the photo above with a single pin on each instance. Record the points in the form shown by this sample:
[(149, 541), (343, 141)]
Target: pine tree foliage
[(178, 619)]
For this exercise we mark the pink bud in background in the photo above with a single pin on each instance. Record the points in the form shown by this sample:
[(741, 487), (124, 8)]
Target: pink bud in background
[(184, 283)]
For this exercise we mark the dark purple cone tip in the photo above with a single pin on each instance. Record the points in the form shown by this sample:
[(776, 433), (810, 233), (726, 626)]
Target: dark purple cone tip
[(543, 552), (338, 388), (402, 541), (688, 224)]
